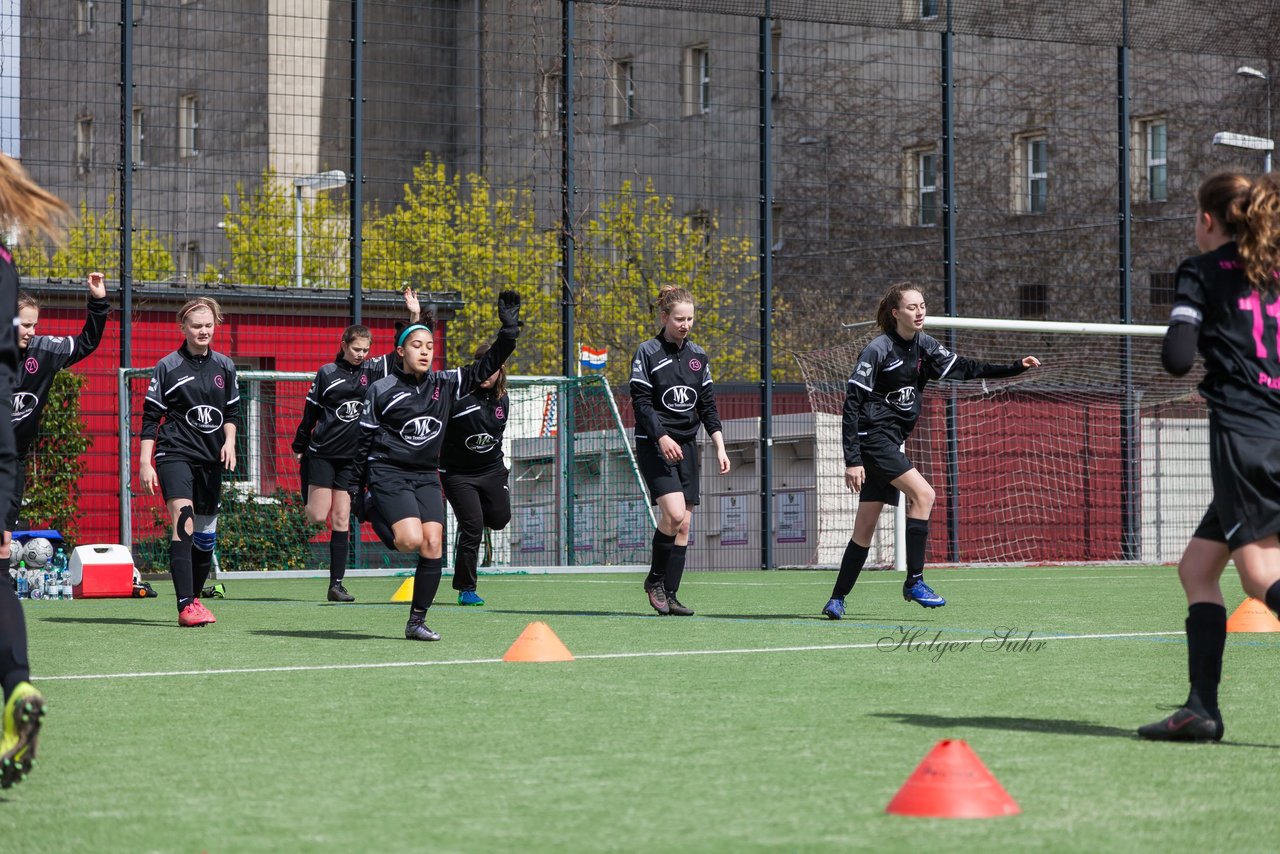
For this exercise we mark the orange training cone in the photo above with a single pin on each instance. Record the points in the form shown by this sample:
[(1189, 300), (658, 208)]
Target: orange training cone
[(538, 643), (1253, 616), (952, 782)]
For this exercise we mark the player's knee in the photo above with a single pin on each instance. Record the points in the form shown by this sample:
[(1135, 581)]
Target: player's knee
[(317, 515), (923, 499), (184, 526), (408, 541), (205, 538)]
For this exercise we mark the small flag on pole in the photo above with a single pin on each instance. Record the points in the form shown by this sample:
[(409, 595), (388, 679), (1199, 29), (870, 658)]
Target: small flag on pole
[(593, 359), (549, 416)]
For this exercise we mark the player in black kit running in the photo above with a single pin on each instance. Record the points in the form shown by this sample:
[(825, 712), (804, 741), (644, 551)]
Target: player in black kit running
[(1226, 305), (672, 396), (398, 457), (325, 442), (881, 408), (37, 212), (475, 476)]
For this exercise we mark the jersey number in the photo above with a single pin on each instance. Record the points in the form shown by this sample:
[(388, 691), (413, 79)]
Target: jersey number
[(1253, 304)]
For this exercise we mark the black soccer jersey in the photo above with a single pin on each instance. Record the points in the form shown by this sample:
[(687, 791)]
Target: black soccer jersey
[(886, 390), (44, 357), (1239, 340), (402, 423), (188, 402), (671, 391), (473, 435), (330, 420)]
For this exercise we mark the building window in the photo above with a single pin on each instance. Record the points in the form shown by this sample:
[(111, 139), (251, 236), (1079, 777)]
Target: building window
[(84, 145), (700, 225), (696, 80), (189, 261), (928, 9), (1033, 301), (776, 236), (622, 101), (775, 59), (86, 16), (137, 137), (1152, 146), (550, 105), (921, 197), (1162, 288), (188, 126), (1031, 174)]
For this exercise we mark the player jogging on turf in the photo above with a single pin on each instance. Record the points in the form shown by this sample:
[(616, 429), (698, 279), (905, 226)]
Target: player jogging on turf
[(25, 206), (398, 457), (881, 407), (40, 357), (189, 422), (1226, 306), (325, 442), (672, 396), (475, 475)]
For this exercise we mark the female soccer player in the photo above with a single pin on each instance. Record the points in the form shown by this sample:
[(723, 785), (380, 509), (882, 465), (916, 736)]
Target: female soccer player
[(1226, 306), (40, 358), (881, 408), (474, 474), (672, 396), (27, 206), (398, 456), (325, 442), (189, 421)]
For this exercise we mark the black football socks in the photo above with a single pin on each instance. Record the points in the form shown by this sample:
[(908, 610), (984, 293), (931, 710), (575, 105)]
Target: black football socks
[(339, 548), (917, 539), (426, 581), (855, 557), (1206, 638)]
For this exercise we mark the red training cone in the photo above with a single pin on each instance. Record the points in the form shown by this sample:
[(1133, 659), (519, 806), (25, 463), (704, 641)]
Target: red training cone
[(538, 643), (1253, 616), (952, 782)]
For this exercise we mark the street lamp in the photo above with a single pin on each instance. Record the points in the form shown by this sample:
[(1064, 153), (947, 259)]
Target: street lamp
[(330, 180), (1255, 74), (1249, 143)]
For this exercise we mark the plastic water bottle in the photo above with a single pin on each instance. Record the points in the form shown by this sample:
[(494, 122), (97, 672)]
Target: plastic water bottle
[(59, 564), (24, 586)]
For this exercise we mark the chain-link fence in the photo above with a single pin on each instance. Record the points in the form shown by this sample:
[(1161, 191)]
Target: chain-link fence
[(302, 161)]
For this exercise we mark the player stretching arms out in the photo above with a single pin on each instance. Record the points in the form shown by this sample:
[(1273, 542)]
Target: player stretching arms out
[(40, 357), (189, 422), (27, 206), (672, 397), (398, 456), (1226, 306), (881, 408), (325, 442), (474, 475)]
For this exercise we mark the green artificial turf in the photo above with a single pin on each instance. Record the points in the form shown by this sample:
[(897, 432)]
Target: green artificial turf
[(734, 730)]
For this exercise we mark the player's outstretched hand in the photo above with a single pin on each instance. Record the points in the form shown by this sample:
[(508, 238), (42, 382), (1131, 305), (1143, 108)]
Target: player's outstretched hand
[(509, 310), (1030, 362), (97, 286)]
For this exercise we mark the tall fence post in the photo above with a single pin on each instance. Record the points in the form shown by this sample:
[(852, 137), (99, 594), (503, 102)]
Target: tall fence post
[(950, 302), (356, 240), (766, 289), (126, 250), (1130, 453), (568, 188)]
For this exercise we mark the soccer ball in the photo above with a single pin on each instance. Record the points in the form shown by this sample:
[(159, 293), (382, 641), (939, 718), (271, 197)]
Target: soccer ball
[(15, 556), (37, 552)]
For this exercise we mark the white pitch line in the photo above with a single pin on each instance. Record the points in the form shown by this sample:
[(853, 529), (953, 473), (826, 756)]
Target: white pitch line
[(303, 668), (897, 579)]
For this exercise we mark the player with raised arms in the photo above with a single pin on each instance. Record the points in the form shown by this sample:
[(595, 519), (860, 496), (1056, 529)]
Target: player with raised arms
[(1226, 306), (398, 455), (475, 475), (672, 396), (28, 208), (326, 438), (881, 407), (189, 422), (40, 357)]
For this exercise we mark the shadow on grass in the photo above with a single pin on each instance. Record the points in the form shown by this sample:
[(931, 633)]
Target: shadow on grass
[(110, 621), (1055, 726), (536, 612), (323, 634)]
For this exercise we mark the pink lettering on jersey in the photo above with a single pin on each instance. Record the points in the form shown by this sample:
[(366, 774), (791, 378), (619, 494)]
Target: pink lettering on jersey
[(31, 365), (499, 413), (435, 395), (219, 381), (695, 365), (1269, 382), (1230, 265), (4, 254)]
